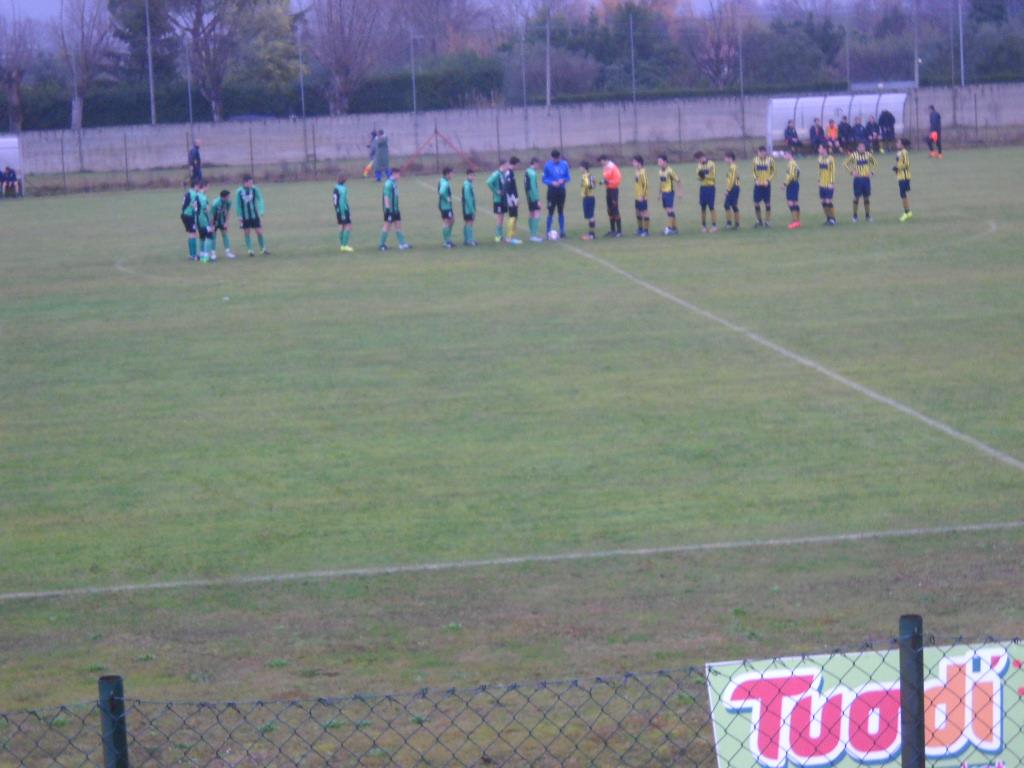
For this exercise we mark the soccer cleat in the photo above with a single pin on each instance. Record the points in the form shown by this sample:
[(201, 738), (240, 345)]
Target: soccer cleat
[(910, 214), (758, 223), (449, 246), (383, 248), (213, 257), (768, 225), (642, 233), (869, 219), (470, 243), (704, 229), (251, 254), (230, 254), (404, 247), (588, 236), (514, 241), (347, 249), (610, 233), (536, 239), (265, 252), (854, 219), (714, 228), (497, 238)]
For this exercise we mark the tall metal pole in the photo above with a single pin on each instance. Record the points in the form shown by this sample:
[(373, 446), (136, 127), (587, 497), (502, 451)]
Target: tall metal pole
[(302, 75), (960, 17), (522, 58), (547, 59), (412, 66), (917, 52), (188, 83), (632, 57), (149, 65), (849, 78), (743, 95)]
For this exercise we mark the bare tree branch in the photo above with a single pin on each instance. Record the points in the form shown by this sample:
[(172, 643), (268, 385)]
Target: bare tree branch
[(84, 36)]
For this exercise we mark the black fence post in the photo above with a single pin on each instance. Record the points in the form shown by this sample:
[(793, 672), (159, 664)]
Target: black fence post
[(912, 691), (113, 723)]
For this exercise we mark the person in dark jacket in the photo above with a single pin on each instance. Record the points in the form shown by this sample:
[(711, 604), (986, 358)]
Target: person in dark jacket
[(195, 161), (887, 125), (874, 135), (817, 134), (793, 143), (934, 132), (846, 134)]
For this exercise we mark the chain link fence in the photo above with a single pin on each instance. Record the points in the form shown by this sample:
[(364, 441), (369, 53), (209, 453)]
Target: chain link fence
[(840, 708)]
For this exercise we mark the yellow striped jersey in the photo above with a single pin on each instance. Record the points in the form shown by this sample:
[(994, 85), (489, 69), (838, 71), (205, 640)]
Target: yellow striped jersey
[(732, 179), (668, 178), (764, 170), (640, 179), (708, 167), (903, 165), (826, 171), (792, 172), (860, 164), (587, 184)]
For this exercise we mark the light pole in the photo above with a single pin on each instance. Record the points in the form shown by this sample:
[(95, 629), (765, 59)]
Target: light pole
[(547, 59), (960, 19), (917, 52), (149, 65), (302, 88), (188, 85)]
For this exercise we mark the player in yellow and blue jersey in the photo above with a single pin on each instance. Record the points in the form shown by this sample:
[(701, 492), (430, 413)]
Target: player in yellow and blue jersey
[(827, 183), (643, 216), (902, 170), (792, 182), (862, 165), (732, 192), (588, 187), (668, 180), (764, 172), (706, 175)]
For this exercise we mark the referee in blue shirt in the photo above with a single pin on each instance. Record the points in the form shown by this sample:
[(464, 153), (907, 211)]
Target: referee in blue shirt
[(556, 176)]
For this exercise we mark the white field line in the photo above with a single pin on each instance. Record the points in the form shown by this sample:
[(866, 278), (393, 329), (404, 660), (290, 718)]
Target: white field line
[(460, 565), (828, 373)]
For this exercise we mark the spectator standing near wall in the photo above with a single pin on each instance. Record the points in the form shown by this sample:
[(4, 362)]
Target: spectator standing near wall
[(934, 132), (195, 161), (382, 157)]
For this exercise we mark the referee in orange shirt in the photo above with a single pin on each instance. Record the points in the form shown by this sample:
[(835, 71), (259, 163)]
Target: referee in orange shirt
[(612, 179)]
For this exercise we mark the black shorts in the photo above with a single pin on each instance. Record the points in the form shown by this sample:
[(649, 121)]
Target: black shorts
[(189, 222), (641, 206), (611, 198), (500, 208), (793, 192), (392, 216), (533, 205), (556, 199), (204, 233), (862, 187), (469, 218), (220, 227), (253, 223), (589, 205), (513, 211), (344, 218), (904, 187), (447, 215)]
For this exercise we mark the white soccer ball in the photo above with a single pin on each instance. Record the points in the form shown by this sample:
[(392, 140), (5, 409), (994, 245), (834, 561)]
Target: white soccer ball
[(553, 234)]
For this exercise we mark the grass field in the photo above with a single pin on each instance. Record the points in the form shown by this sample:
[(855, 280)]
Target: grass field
[(165, 420)]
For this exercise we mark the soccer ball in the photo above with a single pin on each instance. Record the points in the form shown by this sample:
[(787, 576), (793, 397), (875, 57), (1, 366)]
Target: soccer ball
[(553, 234)]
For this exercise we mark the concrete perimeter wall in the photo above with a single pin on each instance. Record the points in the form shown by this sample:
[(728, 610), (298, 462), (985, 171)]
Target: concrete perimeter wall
[(995, 111)]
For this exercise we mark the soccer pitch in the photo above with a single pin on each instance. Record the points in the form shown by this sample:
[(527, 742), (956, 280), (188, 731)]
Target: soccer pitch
[(311, 411)]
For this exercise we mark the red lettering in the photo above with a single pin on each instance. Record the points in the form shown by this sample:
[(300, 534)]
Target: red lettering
[(884, 737), (805, 745), (766, 695)]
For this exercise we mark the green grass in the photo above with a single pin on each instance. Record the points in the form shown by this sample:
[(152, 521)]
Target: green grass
[(166, 420)]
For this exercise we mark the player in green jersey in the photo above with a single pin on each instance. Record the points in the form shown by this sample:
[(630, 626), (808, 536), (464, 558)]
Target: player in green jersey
[(392, 213), (532, 184), (343, 213), (204, 228), (495, 183), (468, 208), (189, 210), (251, 210), (220, 212), (444, 204)]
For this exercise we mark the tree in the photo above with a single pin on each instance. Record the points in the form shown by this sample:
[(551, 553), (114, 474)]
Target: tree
[(210, 31), (347, 38), (716, 50), (16, 51), (84, 38), (129, 21)]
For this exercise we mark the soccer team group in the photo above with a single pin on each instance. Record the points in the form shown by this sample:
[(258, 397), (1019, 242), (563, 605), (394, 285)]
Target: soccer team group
[(204, 219)]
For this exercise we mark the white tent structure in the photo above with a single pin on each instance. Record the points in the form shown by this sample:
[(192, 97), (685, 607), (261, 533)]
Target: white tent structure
[(804, 109), (10, 153)]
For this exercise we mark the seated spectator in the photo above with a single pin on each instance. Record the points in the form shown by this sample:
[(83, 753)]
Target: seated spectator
[(859, 133), (817, 135), (832, 137), (874, 135), (887, 127), (845, 134), (11, 182), (793, 143)]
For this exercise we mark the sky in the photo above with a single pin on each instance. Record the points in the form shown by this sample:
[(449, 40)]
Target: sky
[(35, 9)]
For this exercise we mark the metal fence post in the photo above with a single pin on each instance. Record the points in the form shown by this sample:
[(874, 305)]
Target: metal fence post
[(912, 691), (113, 723)]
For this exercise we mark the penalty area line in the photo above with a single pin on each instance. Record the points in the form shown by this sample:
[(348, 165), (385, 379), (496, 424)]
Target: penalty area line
[(796, 357), (461, 565)]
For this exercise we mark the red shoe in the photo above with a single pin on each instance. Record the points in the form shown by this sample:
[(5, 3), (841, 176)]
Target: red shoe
[(793, 225)]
